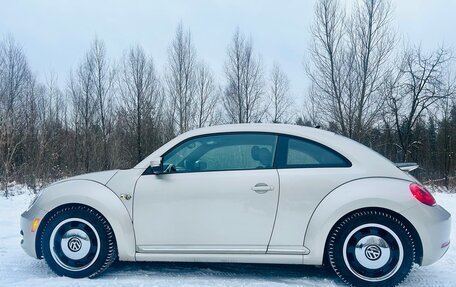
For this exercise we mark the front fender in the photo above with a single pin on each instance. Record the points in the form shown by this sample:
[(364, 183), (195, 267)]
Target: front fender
[(388, 193), (102, 199)]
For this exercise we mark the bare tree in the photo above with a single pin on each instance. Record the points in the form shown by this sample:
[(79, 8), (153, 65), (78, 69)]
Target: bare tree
[(418, 86), (51, 142), (448, 115), (244, 89), (371, 44), (141, 101), (15, 79), (103, 79), (329, 69), (207, 94), (349, 62), (81, 89), (280, 101), (180, 78)]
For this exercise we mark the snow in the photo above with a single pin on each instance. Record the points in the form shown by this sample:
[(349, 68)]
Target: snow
[(18, 269)]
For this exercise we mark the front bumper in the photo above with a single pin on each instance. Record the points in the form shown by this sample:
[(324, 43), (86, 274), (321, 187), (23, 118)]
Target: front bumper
[(28, 236), (433, 224)]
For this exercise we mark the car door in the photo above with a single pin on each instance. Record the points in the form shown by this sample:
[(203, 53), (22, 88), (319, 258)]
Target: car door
[(219, 195)]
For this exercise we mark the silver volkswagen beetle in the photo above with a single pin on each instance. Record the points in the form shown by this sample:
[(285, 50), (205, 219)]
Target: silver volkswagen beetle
[(256, 193)]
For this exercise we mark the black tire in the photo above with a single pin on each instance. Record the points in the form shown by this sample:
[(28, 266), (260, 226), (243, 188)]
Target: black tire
[(357, 252), (77, 241)]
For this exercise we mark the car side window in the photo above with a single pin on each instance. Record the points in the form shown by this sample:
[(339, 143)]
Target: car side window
[(231, 151), (301, 153)]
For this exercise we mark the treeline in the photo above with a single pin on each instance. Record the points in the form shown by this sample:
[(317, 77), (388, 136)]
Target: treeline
[(111, 113), (400, 102)]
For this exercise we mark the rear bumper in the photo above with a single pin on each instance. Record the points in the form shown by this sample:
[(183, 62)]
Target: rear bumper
[(433, 224), (29, 236)]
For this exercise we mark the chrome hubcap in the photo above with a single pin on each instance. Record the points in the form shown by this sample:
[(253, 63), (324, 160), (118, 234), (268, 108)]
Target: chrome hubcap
[(373, 252), (74, 244)]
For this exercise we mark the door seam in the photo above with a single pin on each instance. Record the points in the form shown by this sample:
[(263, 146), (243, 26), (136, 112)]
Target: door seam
[(276, 212)]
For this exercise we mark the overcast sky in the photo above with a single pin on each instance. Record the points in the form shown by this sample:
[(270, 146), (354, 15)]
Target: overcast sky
[(56, 34)]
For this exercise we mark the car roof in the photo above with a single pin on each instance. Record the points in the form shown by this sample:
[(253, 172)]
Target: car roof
[(260, 127), (358, 154)]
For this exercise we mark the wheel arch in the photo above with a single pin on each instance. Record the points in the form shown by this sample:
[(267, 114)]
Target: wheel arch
[(98, 197), (375, 192)]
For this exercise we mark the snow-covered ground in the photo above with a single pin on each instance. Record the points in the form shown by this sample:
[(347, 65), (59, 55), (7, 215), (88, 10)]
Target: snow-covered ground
[(17, 269)]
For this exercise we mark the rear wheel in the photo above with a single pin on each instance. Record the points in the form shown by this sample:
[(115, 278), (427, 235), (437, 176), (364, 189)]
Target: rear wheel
[(77, 241), (371, 248)]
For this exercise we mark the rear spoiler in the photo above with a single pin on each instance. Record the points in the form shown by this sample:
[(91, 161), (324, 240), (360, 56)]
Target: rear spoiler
[(407, 166)]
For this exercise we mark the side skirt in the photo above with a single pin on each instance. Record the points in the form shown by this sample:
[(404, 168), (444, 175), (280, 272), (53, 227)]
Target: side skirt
[(222, 258)]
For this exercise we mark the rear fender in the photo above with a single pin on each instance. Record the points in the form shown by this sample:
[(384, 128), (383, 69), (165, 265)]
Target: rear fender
[(387, 193)]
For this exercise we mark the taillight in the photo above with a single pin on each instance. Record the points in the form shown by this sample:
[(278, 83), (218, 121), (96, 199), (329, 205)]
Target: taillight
[(422, 194)]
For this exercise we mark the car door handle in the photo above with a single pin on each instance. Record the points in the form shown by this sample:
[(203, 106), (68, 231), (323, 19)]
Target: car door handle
[(262, 188)]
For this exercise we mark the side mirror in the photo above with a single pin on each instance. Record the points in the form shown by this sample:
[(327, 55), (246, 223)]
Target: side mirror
[(156, 165)]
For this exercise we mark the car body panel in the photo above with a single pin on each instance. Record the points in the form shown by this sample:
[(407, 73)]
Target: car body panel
[(28, 236), (217, 212), (433, 224), (301, 190), (373, 192), (100, 176), (99, 197), (223, 257), (124, 183)]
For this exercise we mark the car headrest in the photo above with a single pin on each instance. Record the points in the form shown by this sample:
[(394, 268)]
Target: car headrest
[(255, 152), (263, 155)]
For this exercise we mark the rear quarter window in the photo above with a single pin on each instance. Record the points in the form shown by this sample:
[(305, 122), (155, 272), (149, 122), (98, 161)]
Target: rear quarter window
[(302, 153)]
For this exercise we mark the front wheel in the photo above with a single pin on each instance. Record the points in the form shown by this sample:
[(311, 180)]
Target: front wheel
[(77, 242), (371, 248)]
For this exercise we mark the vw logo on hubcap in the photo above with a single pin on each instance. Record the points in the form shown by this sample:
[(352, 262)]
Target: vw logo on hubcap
[(74, 244), (373, 252)]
